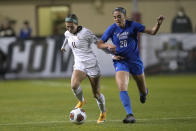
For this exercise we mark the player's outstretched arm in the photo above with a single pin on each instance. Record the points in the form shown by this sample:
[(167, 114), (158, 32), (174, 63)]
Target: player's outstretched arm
[(156, 27)]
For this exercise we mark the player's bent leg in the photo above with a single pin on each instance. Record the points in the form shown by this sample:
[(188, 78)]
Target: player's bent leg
[(99, 98), (76, 79), (141, 84)]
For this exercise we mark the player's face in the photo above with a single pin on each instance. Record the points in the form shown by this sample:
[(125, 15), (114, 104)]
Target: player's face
[(119, 18), (71, 27)]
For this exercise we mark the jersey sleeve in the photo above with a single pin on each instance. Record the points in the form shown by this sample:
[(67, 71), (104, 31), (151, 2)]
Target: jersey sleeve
[(107, 34), (139, 27), (65, 41)]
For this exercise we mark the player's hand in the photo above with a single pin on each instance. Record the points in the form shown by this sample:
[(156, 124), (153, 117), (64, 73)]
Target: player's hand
[(160, 19), (63, 50), (112, 48), (117, 57)]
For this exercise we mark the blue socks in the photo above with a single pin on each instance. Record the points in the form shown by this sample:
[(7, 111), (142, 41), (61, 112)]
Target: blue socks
[(124, 97)]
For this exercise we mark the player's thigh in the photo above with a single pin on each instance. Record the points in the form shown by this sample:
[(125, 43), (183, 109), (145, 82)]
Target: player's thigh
[(94, 74), (77, 77), (140, 79), (122, 80)]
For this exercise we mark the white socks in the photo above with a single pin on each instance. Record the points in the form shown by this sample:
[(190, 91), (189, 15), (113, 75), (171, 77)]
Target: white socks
[(101, 103), (78, 93)]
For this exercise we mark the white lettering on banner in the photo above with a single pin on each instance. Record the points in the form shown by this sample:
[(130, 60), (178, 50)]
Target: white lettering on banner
[(38, 54), (49, 56), (21, 59), (5, 42)]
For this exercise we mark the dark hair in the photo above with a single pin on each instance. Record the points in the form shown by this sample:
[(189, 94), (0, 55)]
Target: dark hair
[(72, 18), (120, 9)]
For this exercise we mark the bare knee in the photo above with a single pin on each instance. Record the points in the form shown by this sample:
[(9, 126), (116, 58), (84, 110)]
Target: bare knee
[(75, 85), (122, 86)]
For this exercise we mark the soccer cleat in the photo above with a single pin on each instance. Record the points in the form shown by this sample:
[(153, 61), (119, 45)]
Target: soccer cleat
[(143, 97), (102, 118), (80, 104), (129, 119)]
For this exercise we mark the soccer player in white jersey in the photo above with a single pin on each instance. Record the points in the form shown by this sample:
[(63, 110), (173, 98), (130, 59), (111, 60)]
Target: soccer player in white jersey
[(79, 40)]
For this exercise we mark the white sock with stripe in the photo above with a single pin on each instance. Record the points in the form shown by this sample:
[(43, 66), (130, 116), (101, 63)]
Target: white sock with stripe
[(101, 103), (78, 93)]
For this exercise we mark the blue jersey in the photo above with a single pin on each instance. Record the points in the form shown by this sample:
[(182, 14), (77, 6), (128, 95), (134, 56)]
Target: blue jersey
[(125, 40)]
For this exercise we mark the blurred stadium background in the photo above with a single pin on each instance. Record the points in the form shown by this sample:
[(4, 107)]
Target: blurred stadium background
[(34, 73)]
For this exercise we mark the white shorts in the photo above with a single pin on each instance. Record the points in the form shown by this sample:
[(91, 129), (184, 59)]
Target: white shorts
[(91, 71)]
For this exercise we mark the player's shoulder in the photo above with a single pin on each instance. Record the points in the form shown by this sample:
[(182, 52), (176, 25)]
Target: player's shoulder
[(66, 33), (112, 27), (134, 23), (130, 23), (86, 31)]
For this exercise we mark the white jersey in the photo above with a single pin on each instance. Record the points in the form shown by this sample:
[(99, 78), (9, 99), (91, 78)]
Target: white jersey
[(80, 43)]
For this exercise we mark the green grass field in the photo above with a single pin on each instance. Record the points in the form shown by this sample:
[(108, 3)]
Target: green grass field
[(44, 105)]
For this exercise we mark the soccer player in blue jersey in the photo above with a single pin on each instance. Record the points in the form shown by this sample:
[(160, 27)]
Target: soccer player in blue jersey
[(126, 59)]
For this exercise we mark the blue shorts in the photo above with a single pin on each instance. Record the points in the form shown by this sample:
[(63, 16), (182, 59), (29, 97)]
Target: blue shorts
[(133, 68)]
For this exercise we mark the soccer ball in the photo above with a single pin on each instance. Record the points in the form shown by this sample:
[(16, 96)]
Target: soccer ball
[(77, 116)]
